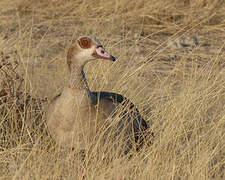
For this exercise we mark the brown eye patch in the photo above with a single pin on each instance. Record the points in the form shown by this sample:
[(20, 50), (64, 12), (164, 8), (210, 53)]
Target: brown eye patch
[(84, 42)]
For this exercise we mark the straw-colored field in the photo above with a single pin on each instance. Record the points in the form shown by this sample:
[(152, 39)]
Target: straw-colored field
[(179, 91)]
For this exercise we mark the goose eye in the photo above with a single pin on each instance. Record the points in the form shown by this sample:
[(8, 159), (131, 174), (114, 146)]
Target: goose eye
[(102, 53)]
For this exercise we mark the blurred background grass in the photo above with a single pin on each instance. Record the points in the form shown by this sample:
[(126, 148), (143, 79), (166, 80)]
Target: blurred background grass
[(180, 92)]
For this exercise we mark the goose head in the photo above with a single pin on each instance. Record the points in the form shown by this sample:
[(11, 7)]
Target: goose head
[(85, 49)]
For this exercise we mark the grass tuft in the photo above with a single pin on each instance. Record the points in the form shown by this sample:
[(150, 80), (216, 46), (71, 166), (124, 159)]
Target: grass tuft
[(180, 91)]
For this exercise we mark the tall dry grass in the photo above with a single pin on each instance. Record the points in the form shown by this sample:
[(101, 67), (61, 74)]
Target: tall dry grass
[(180, 93)]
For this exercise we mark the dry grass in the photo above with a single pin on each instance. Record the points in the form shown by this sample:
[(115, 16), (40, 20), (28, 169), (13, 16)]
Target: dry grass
[(183, 98)]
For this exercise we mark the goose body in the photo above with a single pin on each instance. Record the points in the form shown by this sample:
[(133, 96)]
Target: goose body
[(74, 116)]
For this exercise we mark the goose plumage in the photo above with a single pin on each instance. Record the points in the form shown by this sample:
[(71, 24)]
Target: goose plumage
[(72, 116)]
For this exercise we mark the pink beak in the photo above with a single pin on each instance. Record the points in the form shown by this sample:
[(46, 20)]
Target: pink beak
[(103, 54)]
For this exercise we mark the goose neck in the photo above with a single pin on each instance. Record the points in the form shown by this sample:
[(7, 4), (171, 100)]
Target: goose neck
[(77, 79)]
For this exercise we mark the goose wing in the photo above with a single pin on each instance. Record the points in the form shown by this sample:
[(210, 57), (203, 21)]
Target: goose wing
[(129, 114)]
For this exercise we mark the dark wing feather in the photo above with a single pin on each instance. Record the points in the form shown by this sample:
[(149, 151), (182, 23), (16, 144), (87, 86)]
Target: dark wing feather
[(131, 114), (96, 95)]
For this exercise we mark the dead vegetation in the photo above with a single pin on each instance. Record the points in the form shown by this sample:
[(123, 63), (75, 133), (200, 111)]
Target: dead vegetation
[(179, 91)]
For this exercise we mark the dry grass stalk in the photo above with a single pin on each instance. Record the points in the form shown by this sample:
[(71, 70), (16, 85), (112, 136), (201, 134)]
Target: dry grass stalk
[(183, 98)]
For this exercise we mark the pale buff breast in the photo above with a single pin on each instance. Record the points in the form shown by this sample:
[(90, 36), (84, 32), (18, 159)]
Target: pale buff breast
[(73, 121)]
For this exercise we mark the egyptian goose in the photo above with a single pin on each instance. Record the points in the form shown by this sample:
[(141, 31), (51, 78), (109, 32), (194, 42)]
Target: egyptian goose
[(72, 116)]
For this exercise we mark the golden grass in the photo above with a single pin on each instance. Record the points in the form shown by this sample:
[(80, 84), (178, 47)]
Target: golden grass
[(182, 98)]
